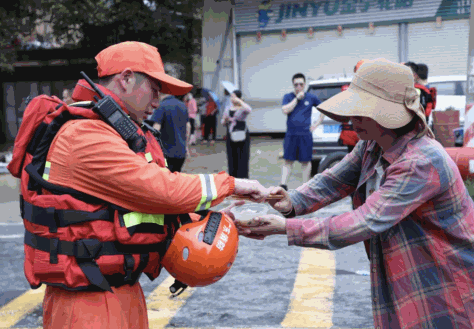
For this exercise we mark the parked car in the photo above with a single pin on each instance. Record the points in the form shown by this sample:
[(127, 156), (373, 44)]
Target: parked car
[(451, 93), (326, 150)]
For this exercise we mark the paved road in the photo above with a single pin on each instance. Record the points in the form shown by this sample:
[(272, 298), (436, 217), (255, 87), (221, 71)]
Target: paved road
[(270, 285)]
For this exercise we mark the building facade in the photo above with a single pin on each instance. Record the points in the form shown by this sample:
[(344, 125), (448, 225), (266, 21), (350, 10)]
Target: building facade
[(259, 45)]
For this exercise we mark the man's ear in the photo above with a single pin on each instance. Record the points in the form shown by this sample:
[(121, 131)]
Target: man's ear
[(127, 80)]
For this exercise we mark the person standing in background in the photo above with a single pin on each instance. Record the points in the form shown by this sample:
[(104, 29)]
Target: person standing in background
[(298, 142), (172, 120), (67, 96), (191, 105), (238, 137), (201, 104), (210, 122), (427, 95)]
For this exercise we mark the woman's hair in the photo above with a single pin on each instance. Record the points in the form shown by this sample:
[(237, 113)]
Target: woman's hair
[(238, 93), (415, 124)]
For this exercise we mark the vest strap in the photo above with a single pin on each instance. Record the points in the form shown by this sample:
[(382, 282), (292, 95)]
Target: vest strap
[(86, 251), (54, 218)]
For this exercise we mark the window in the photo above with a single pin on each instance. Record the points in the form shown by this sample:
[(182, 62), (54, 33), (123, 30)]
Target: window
[(451, 88), (325, 92)]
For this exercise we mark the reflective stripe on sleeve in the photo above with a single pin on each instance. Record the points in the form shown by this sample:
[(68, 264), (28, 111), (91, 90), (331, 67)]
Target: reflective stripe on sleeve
[(148, 157), (209, 192), (47, 168), (135, 218)]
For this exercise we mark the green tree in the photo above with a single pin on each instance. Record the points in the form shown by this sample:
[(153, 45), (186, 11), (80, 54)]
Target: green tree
[(174, 27), (17, 19)]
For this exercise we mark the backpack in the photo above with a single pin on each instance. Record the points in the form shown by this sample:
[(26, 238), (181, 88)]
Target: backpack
[(35, 123), (427, 98)]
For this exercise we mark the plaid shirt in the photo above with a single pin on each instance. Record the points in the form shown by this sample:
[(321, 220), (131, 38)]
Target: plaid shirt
[(418, 229)]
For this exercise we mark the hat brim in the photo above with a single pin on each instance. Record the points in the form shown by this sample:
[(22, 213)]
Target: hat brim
[(358, 102), (170, 85)]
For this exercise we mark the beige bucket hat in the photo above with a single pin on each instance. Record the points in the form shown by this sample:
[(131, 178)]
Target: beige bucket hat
[(381, 90)]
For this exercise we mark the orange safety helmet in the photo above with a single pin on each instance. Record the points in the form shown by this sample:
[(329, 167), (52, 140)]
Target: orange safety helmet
[(201, 253)]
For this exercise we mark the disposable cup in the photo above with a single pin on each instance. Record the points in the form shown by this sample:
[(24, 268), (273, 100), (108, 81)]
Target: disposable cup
[(248, 211)]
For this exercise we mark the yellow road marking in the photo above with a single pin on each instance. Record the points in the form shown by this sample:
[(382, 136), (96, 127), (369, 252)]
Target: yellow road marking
[(162, 308), (312, 296), (16, 309)]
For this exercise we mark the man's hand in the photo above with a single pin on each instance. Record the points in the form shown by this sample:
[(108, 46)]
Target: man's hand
[(282, 205), (262, 226), (250, 188), (300, 95)]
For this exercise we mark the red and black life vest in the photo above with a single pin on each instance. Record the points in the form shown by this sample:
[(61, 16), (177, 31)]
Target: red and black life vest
[(348, 136), (74, 240), (427, 98)]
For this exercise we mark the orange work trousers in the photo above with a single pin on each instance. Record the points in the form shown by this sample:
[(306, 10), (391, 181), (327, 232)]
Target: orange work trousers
[(123, 309)]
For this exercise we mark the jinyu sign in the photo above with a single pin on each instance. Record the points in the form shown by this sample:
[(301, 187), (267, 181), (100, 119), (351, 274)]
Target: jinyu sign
[(267, 15)]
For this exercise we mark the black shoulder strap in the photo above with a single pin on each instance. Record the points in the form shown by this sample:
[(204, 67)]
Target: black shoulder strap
[(41, 144)]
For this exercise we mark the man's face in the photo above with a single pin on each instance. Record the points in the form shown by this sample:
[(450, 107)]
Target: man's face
[(299, 85), (367, 128), (141, 96), (66, 97)]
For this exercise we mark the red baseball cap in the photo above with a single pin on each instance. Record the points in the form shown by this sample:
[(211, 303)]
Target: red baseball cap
[(139, 57)]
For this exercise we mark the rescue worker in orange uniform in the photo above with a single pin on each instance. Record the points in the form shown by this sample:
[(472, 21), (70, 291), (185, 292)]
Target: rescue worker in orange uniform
[(90, 157), (348, 136)]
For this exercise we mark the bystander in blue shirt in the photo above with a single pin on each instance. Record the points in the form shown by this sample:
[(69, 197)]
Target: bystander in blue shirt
[(299, 120), (172, 115)]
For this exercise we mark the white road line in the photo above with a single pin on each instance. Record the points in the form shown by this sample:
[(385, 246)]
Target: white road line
[(12, 236), (10, 224)]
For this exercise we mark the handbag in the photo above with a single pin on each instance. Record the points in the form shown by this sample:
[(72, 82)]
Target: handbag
[(239, 133)]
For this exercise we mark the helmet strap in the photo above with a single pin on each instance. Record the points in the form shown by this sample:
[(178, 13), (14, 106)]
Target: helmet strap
[(177, 288)]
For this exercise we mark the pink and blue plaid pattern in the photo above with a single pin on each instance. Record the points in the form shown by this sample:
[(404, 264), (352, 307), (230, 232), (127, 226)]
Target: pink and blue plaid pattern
[(418, 229)]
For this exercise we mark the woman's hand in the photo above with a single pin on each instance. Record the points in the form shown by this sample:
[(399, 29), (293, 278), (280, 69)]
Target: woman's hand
[(282, 205), (227, 211), (262, 226)]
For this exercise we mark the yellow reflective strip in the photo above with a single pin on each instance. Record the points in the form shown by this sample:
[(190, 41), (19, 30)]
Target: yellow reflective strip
[(47, 164), (136, 218), (203, 195), (148, 157), (45, 176), (166, 163)]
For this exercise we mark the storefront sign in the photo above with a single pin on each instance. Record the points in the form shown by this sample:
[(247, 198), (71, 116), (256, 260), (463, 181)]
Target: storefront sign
[(280, 14), (313, 8)]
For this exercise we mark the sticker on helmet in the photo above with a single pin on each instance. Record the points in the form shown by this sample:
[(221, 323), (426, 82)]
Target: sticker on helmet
[(223, 238)]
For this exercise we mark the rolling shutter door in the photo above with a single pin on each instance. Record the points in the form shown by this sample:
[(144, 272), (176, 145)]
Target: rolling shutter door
[(268, 65), (443, 49)]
